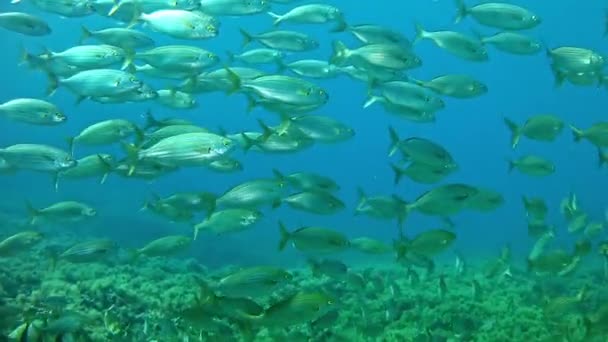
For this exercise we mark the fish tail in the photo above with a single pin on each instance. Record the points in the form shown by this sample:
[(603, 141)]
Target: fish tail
[(248, 143), (128, 62), (285, 236), (107, 166), (71, 141), (251, 103), (462, 11), (341, 26), (361, 199), (140, 136), (230, 56), (394, 141), (132, 156), (340, 52), (115, 7), (578, 134), (266, 131), (602, 157), (277, 18), (515, 131), (32, 212), (53, 83), (420, 33), (281, 66), (398, 173), (234, 79), (278, 175), (559, 77), (371, 99), (511, 165), (85, 33), (247, 37), (150, 120), (25, 57)]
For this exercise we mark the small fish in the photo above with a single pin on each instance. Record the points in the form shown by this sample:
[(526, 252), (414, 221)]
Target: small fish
[(597, 134), (456, 43), (252, 282), (67, 211), (545, 127), (24, 23), (316, 202), (385, 56), (253, 193), (164, 246), (533, 165), (312, 14), (32, 111), (576, 59), (19, 242), (374, 34), (88, 251), (332, 268), (95, 165), (421, 173), (282, 40), (105, 133), (312, 68), (499, 15), (229, 221), (302, 307), (313, 239), (234, 7), (486, 200), (428, 243), (455, 85), (421, 150), (514, 43), (308, 181), (258, 56), (175, 99), (370, 246), (96, 83), (118, 36), (182, 24), (535, 207)]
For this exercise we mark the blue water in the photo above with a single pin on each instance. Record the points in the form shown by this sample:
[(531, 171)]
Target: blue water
[(472, 130)]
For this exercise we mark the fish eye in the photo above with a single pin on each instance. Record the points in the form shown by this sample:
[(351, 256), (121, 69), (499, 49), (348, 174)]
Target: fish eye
[(133, 79), (211, 28), (211, 55)]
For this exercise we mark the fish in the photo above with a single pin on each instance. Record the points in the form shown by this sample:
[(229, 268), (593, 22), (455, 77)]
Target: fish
[(229, 221), (282, 40), (544, 127), (182, 24), (455, 85), (514, 43), (499, 15), (385, 56), (301, 307), (370, 246), (88, 251), (535, 207), (234, 7), (25, 24), (312, 14), (19, 242), (106, 132), (96, 83), (456, 43), (32, 111), (597, 134), (315, 201), (313, 239), (66, 211), (95, 165), (164, 246), (252, 282), (124, 38), (421, 150), (332, 268), (533, 165), (253, 193), (176, 99)]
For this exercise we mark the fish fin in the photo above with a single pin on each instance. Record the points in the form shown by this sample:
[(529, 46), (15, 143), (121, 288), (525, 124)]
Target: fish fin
[(128, 63), (266, 131), (117, 5), (32, 212), (397, 172), (150, 120), (132, 156), (602, 157), (371, 99), (80, 98), (285, 236), (462, 11), (277, 18), (196, 229), (420, 33), (515, 131), (577, 133), (70, 141), (84, 35), (340, 53), (247, 37), (251, 103), (394, 141), (512, 165), (230, 56), (361, 199), (341, 26), (248, 143), (55, 179), (53, 83), (278, 175), (234, 79)]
